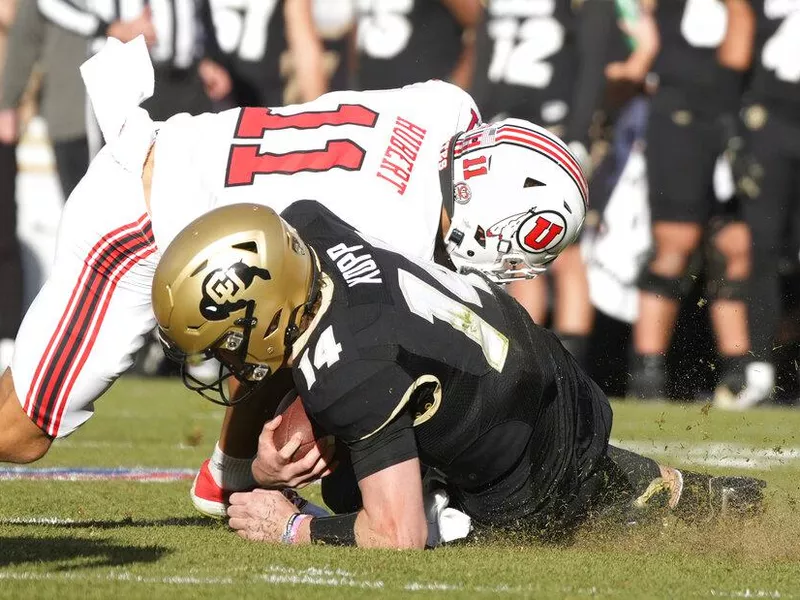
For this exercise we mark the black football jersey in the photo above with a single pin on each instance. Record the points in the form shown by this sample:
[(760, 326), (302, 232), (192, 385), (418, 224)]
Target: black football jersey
[(408, 359), (690, 32), (251, 36), (526, 57), (405, 41), (776, 56)]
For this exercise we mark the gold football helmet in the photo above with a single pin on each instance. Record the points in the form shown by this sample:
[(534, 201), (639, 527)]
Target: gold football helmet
[(231, 286)]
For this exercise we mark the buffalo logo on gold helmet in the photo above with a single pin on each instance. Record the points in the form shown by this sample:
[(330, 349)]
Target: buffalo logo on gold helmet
[(222, 290)]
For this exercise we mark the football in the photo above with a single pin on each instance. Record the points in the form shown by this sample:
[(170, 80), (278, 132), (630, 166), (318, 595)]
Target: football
[(295, 420)]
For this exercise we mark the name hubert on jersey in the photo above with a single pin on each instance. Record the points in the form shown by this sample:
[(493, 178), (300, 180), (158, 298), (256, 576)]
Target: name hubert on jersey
[(401, 154)]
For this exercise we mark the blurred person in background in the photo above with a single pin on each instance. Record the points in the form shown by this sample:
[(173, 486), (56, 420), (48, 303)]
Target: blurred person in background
[(335, 23), (188, 76), (768, 170), (404, 41), (689, 124), (254, 35), (544, 62), (10, 261), (57, 54)]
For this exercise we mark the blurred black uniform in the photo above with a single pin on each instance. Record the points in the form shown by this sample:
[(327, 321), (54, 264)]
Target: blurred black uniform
[(543, 61), (251, 38), (685, 133), (771, 116), (404, 42), (410, 360)]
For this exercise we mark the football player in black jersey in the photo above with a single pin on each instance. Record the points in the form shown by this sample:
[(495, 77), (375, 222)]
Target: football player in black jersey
[(253, 36), (690, 117), (541, 61), (767, 175), (411, 366), (400, 42)]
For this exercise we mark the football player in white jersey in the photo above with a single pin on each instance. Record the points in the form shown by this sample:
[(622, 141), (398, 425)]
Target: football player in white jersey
[(412, 167)]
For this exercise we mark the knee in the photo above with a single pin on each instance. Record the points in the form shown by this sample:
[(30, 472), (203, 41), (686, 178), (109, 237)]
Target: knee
[(730, 252), (674, 248), (670, 272), (21, 441), (24, 451)]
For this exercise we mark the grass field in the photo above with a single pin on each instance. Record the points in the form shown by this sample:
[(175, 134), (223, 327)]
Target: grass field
[(131, 539)]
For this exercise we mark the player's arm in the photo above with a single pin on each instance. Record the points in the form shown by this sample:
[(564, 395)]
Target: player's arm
[(25, 42), (644, 33), (73, 17), (595, 23), (736, 50), (366, 407), (392, 516), (467, 13), (306, 49), (212, 68)]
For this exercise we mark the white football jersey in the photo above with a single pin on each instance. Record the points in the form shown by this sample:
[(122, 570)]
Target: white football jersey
[(370, 157)]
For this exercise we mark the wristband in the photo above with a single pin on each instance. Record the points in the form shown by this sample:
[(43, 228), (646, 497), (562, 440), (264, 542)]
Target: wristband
[(286, 538), (338, 530)]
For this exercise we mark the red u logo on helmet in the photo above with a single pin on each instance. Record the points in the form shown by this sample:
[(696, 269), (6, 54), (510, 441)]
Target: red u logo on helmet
[(544, 234)]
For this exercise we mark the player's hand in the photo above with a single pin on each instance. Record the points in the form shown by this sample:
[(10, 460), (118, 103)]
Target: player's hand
[(125, 31), (625, 71), (9, 126), (216, 79), (260, 515), (274, 468)]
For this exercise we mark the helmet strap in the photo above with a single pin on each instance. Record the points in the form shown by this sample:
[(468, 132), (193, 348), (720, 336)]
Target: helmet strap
[(446, 178), (247, 322), (293, 330)]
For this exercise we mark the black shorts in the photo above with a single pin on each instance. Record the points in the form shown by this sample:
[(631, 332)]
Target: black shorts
[(681, 154), (773, 141)]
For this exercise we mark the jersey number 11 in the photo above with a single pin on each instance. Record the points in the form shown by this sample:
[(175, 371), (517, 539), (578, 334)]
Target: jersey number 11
[(246, 161)]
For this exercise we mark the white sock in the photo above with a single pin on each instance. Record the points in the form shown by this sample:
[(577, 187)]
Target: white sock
[(231, 474)]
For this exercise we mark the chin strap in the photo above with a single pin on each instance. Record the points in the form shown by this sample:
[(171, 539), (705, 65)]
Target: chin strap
[(446, 177), (293, 330)]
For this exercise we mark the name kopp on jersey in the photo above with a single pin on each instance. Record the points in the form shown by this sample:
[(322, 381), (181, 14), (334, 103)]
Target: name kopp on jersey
[(355, 268)]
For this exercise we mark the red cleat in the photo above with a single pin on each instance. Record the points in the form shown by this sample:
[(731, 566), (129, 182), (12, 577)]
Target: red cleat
[(207, 496)]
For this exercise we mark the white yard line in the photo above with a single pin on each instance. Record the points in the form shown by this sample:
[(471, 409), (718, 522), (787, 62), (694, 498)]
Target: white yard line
[(316, 577), (339, 578), (747, 593), (715, 454), (36, 521)]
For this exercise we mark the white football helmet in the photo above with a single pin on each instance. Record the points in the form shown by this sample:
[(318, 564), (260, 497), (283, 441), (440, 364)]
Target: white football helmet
[(516, 197)]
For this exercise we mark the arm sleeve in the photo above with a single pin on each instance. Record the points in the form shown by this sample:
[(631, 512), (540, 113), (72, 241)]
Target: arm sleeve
[(67, 14), (393, 444), (597, 20), (92, 314), (24, 46)]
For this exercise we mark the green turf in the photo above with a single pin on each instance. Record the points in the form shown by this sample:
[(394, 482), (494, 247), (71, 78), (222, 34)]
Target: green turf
[(136, 540)]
